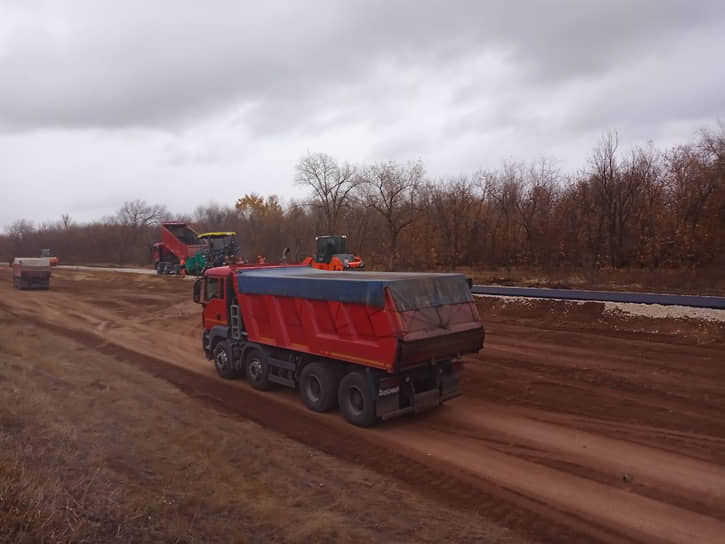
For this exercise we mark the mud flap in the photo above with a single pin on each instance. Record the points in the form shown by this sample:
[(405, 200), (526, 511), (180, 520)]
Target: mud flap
[(449, 386), (387, 407), (426, 401)]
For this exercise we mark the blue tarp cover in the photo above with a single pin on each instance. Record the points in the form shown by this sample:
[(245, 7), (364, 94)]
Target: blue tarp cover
[(410, 290)]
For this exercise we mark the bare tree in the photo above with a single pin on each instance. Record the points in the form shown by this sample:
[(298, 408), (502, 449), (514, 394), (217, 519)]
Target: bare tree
[(507, 196), (536, 206), (66, 221), (390, 189), (137, 214), (216, 217), (332, 185), (135, 219), (613, 201), (20, 233), (453, 202)]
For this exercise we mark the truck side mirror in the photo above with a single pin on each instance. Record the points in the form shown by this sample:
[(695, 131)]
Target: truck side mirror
[(197, 290)]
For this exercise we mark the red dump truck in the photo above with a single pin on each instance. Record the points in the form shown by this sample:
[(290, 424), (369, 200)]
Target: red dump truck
[(31, 272), (178, 243), (377, 345)]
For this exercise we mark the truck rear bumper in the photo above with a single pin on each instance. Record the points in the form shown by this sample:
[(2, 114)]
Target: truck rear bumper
[(423, 402), (391, 406)]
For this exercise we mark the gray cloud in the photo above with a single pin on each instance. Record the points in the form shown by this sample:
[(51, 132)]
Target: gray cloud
[(181, 90), (113, 64)]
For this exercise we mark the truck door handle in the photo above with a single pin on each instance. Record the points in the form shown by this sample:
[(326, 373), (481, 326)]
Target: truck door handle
[(218, 316)]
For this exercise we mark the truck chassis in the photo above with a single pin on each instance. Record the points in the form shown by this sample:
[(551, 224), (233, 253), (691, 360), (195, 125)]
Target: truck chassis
[(376, 345), (362, 393)]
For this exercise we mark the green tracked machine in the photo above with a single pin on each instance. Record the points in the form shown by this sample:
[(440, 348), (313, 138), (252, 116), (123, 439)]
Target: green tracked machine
[(183, 251)]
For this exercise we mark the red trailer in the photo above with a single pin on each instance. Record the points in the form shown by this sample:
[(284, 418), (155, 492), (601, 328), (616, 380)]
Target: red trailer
[(377, 344)]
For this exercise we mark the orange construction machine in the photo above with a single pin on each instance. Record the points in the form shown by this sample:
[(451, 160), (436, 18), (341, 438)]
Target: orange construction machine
[(50, 254), (332, 255)]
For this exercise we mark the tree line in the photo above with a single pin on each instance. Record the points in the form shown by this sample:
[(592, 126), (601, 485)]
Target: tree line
[(642, 207)]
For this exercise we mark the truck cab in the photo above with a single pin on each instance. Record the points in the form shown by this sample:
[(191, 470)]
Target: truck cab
[(215, 293)]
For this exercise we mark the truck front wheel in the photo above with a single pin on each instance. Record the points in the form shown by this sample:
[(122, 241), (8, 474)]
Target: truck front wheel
[(318, 386), (223, 361), (257, 370), (356, 400)]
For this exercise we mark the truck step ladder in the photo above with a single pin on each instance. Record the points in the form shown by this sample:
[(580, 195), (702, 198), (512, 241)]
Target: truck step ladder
[(236, 321)]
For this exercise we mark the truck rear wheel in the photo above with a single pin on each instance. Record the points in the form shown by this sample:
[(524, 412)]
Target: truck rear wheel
[(257, 370), (223, 361), (356, 400), (318, 386)]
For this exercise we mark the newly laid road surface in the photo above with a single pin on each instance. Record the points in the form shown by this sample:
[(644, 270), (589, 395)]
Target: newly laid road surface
[(602, 296)]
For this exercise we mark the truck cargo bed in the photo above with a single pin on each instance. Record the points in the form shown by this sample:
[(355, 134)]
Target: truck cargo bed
[(385, 320)]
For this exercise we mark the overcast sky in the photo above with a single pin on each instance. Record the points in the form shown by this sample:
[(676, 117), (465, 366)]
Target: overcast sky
[(186, 103)]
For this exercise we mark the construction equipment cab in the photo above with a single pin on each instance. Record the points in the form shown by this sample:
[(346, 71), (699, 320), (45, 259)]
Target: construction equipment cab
[(221, 248), (50, 255), (332, 254)]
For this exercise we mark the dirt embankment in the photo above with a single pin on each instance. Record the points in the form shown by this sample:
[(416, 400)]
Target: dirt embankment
[(576, 423)]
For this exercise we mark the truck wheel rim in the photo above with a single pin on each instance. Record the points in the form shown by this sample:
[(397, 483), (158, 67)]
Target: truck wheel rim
[(255, 369), (222, 360), (356, 400), (314, 388)]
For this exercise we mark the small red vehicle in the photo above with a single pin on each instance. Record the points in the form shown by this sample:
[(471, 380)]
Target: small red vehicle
[(376, 344)]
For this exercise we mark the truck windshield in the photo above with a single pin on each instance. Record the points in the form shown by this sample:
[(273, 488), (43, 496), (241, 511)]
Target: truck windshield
[(219, 243), (327, 246), (213, 289)]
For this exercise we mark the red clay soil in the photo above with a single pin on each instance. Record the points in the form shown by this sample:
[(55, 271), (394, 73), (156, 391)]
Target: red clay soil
[(570, 429)]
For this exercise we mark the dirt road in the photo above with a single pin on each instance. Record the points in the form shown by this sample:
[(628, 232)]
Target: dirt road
[(575, 424)]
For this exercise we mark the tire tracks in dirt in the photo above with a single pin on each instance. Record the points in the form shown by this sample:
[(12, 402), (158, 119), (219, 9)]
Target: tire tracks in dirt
[(530, 517), (511, 471)]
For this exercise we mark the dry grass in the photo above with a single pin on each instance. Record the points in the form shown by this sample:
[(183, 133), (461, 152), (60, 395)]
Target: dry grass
[(94, 450)]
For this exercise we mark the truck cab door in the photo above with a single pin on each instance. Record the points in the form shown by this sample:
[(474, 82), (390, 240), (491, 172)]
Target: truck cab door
[(215, 304)]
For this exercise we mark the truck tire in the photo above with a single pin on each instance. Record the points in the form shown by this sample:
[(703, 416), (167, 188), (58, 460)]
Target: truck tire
[(257, 370), (357, 403), (318, 386), (223, 361)]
